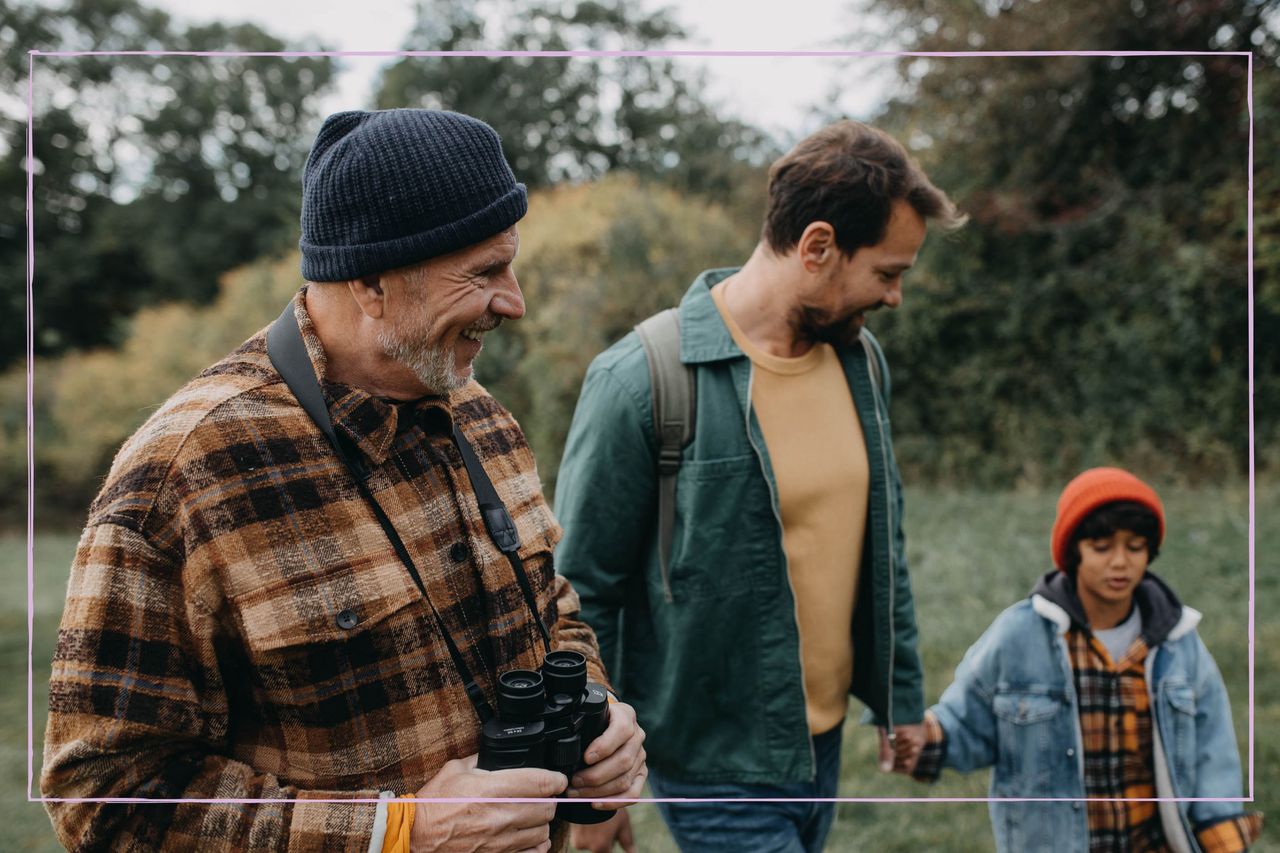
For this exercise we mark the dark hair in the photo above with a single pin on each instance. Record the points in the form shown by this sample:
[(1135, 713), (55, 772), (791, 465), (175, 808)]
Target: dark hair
[(849, 175), (1106, 520)]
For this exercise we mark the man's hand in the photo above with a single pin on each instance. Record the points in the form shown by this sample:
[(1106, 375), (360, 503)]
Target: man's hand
[(615, 761), (903, 754), (488, 827), (601, 837)]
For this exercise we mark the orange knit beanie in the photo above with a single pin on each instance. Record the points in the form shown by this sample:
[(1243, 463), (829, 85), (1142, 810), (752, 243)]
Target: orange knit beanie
[(1092, 489)]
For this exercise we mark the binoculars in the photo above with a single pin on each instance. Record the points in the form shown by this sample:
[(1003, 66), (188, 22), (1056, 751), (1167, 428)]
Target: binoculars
[(546, 719)]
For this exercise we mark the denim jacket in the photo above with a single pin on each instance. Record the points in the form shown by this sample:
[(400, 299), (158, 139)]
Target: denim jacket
[(1013, 706)]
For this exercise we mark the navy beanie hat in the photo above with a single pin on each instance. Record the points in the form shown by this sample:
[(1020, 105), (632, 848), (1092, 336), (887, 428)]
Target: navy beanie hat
[(387, 189)]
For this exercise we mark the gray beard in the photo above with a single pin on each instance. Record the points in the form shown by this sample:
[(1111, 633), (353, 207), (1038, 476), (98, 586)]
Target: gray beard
[(435, 367)]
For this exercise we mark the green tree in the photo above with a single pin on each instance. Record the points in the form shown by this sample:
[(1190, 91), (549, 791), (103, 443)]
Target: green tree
[(575, 118), (1095, 309), (152, 175)]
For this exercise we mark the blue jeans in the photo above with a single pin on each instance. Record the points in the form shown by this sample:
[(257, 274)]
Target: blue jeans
[(763, 827)]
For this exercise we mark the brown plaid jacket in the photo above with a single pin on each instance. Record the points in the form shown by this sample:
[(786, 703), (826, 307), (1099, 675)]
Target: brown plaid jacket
[(238, 626)]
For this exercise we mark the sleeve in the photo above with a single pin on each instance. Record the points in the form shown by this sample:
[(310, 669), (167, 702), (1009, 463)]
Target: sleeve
[(571, 633), (964, 713), (138, 709), (605, 496), (1219, 827)]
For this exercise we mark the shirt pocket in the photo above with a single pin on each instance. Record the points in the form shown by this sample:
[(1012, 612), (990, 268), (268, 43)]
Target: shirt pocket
[(725, 529), (1028, 742), (331, 655)]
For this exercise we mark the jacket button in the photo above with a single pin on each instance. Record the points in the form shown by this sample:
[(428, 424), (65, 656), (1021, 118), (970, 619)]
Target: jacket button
[(1075, 807), (1070, 752), (347, 619), (458, 551)]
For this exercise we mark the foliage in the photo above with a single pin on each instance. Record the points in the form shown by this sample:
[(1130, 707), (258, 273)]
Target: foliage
[(93, 400), (153, 175), (575, 118), (1095, 309), (594, 261)]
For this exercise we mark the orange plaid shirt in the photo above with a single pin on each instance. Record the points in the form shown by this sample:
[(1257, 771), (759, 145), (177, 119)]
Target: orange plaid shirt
[(1119, 755)]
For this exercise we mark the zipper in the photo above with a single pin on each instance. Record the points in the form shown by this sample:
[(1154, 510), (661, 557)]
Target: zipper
[(888, 501), (786, 570)]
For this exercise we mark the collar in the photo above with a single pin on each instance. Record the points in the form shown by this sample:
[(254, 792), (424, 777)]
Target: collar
[(1164, 617), (370, 423), (703, 334)]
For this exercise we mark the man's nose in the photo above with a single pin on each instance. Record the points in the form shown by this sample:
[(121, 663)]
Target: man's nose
[(893, 298), (508, 301)]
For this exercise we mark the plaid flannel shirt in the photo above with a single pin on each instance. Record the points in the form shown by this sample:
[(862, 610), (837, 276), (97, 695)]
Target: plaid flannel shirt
[(238, 626), (1115, 724)]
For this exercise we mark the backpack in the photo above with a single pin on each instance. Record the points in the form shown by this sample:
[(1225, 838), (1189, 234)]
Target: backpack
[(674, 404)]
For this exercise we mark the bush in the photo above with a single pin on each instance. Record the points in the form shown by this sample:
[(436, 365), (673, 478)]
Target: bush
[(88, 403), (595, 260)]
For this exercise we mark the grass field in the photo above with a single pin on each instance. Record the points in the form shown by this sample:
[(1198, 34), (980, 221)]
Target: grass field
[(971, 554)]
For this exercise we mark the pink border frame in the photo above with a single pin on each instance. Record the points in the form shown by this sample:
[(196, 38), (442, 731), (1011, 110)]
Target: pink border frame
[(601, 54)]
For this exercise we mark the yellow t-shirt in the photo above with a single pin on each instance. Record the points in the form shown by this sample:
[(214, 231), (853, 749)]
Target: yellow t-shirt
[(819, 459)]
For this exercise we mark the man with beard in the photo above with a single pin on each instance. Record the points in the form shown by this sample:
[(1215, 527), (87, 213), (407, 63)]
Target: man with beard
[(785, 586), (275, 610)]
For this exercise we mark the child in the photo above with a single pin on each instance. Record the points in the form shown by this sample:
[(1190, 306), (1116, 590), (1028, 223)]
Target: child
[(1097, 686)]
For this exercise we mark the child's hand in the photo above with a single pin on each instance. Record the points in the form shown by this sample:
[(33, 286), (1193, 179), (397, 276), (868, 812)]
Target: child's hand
[(901, 756)]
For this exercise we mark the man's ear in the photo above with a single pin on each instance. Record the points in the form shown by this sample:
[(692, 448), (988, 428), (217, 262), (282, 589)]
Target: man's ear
[(367, 292), (817, 245)]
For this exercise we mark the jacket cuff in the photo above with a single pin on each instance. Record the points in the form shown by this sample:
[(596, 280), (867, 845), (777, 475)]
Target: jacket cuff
[(1232, 835), (333, 827)]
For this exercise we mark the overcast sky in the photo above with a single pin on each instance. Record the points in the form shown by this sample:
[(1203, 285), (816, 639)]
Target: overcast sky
[(776, 93)]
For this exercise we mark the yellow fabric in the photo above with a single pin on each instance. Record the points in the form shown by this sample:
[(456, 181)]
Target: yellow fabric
[(819, 459), (399, 826)]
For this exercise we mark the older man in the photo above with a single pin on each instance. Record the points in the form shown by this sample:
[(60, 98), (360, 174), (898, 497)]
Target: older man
[(265, 612)]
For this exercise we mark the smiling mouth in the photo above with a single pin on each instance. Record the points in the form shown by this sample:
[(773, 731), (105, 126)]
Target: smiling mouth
[(476, 333)]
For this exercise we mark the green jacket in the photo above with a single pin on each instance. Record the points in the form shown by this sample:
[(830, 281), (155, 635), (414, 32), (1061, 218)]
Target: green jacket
[(715, 675)]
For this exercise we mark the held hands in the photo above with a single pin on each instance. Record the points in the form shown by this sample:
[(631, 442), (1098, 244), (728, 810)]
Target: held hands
[(488, 827), (901, 756)]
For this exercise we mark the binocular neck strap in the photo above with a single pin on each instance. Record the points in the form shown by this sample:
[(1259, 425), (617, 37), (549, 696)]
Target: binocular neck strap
[(289, 356), (501, 527)]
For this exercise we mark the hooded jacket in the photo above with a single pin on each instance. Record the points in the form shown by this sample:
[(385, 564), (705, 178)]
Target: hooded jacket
[(1013, 706)]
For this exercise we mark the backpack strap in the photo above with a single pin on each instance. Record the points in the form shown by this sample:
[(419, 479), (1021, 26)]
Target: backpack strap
[(673, 420)]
